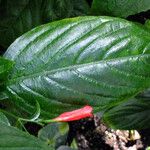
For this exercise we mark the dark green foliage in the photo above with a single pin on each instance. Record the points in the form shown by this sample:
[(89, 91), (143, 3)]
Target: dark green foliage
[(133, 114), (119, 8), (12, 138), (20, 16)]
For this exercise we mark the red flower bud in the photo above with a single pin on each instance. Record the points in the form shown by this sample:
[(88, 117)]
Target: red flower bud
[(75, 114)]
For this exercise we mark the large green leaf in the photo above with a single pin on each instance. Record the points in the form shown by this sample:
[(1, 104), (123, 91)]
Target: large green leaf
[(120, 8), (64, 65), (5, 67), (13, 139), (133, 114), (19, 16)]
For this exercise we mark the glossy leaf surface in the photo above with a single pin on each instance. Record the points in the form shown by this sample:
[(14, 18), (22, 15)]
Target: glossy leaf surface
[(120, 8), (99, 61)]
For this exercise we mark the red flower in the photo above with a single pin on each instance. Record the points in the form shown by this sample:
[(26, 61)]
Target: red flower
[(75, 114)]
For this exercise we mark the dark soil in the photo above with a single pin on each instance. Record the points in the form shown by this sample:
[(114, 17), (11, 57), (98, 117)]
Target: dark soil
[(145, 137), (92, 134), (32, 128)]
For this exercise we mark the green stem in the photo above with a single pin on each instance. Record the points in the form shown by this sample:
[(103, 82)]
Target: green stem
[(36, 121), (47, 121)]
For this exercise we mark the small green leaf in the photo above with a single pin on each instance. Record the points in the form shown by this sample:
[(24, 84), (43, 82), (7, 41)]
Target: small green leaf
[(3, 119), (13, 139), (119, 8), (52, 132), (18, 17), (74, 144), (133, 114)]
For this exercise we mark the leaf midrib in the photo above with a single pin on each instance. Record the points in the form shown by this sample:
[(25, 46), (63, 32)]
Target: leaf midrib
[(45, 72)]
